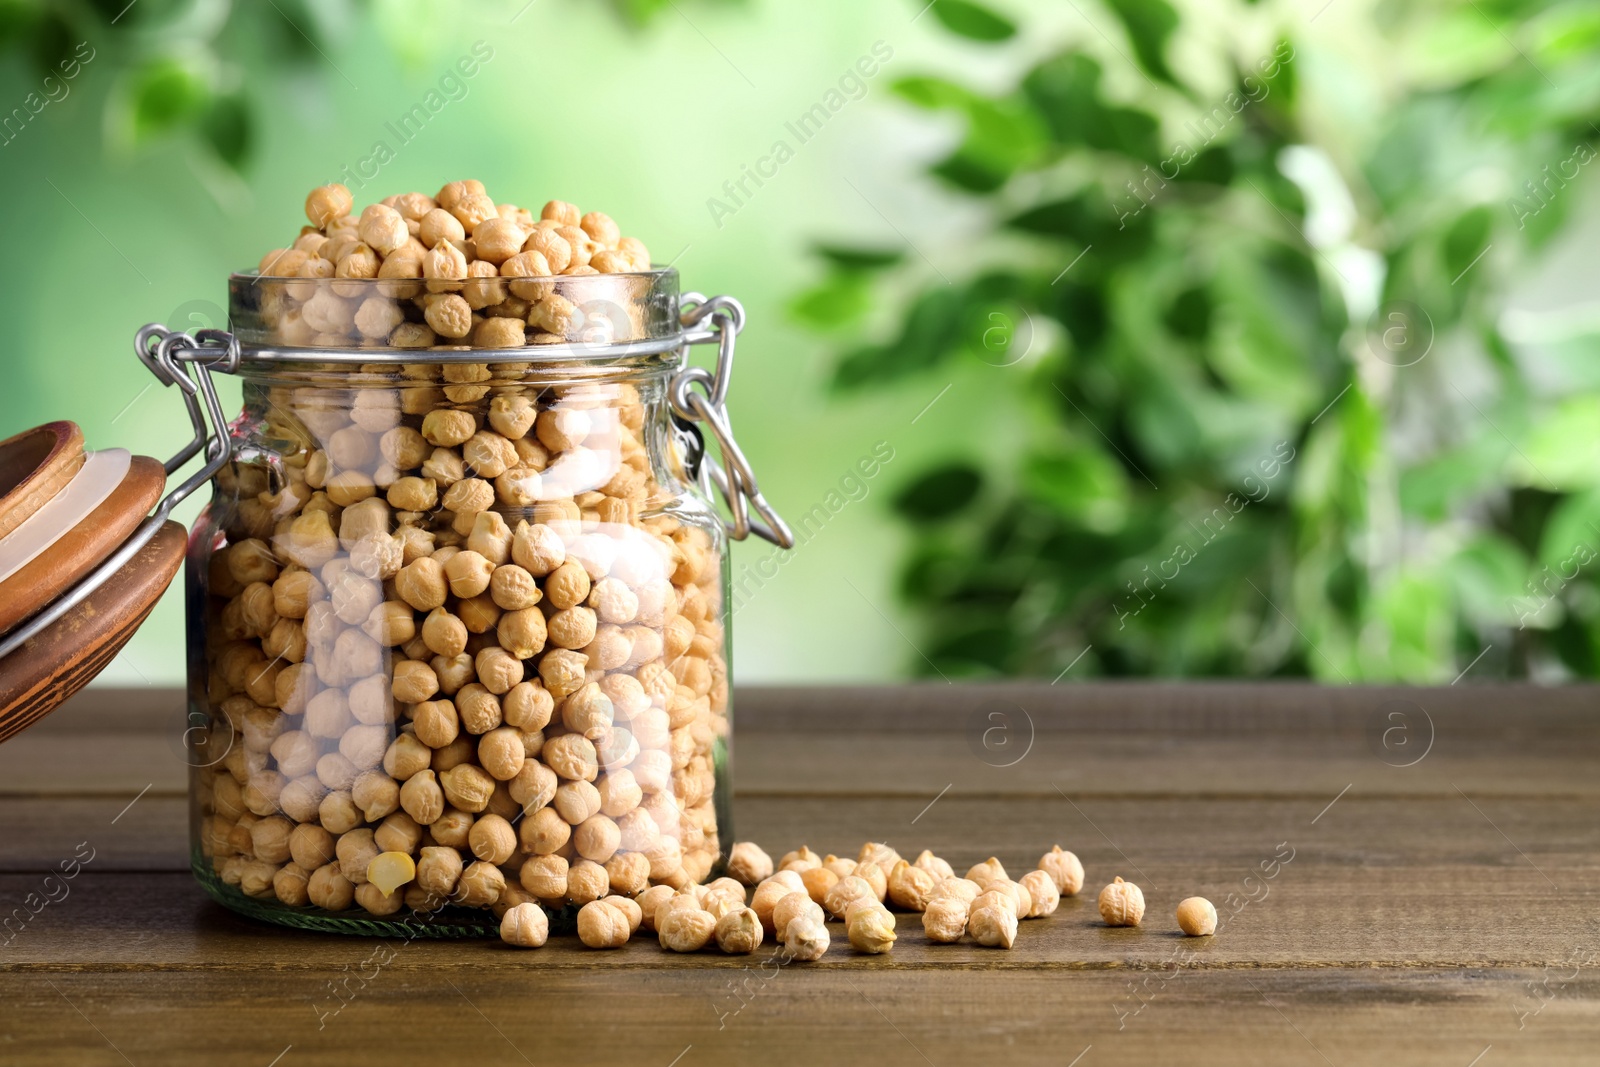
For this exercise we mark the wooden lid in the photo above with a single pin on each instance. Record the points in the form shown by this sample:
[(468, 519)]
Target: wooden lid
[(82, 548), (34, 466), (61, 660)]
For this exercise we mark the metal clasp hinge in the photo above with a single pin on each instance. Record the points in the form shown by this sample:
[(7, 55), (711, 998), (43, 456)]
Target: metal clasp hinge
[(164, 352), (718, 320)]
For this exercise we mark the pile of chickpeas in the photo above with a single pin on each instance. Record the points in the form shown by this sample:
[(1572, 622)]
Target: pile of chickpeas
[(461, 630), (794, 902), (419, 271)]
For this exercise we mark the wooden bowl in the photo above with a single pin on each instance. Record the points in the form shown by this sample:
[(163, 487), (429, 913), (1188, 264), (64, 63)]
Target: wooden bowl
[(82, 548), (34, 466), (62, 659)]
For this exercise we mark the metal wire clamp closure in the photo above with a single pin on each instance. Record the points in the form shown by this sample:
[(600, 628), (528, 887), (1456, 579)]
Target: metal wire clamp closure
[(718, 320), (164, 352)]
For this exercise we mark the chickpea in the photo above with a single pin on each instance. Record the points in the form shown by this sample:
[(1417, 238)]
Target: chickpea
[(525, 925), (467, 787), (945, 920), (1197, 917), (629, 873), (846, 892), (355, 849), (556, 210), (992, 925), (602, 925), (405, 757), (819, 881), (544, 876), (501, 753), (454, 672), (685, 929), (586, 881), (748, 863), (383, 229), (806, 939), (1043, 894), (870, 927), (479, 885), (492, 839), (791, 907), (327, 203), (329, 889), (528, 706), (766, 898), (987, 871), (1121, 903), (397, 832), (573, 757), (576, 801), (412, 493), (910, 887), (376, 794), (422, 798), (498, 239), (544, 832), (453, 829), (421, 583), (444, 634), (601, 229), (414, 682), (1063, 869)]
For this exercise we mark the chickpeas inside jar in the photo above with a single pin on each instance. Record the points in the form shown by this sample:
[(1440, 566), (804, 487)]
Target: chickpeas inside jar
[(456, 602)]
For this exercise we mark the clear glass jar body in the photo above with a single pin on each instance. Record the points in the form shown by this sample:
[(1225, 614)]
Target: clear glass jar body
[(466, 613)]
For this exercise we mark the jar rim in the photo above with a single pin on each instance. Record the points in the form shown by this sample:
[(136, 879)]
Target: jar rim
[(603, 317)]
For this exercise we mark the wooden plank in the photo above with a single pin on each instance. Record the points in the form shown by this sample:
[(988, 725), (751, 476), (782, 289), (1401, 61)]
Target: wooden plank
[(1529, 716), (846, 1012), (1430, 882), (1265, 747)]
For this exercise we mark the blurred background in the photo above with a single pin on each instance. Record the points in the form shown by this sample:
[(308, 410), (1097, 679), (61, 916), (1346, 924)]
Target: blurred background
[(1199, 338)]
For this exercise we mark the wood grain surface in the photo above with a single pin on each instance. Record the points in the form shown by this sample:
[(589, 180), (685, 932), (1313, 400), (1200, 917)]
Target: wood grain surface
[(82, 548), (1446, 912), (35, 465), (66, 655)]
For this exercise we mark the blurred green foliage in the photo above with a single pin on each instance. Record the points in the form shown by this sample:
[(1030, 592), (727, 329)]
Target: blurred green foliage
[(1274, 424), (180, 65)]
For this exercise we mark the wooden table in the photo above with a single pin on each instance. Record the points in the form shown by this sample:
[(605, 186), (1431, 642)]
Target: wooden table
[(1405, 877)]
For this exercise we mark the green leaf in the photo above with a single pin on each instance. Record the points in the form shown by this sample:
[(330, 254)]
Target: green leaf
[(1064, 88), (860, 259), (931, 329), (1118, 231), (229, 128), (1190, 314), (1149, 24), (972, 20), (1562, 446), (1466, 239), (1571, 537), (840, 299), (939, 493), (1083, 486), (1489, 575), (933, 93), (166, 94)]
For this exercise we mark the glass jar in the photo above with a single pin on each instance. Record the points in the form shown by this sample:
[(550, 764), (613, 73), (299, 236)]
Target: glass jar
[(456, 613)]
